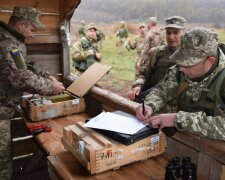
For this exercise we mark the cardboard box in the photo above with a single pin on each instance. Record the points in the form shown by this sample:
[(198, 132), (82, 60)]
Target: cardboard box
[(98, 153), (68, 103)]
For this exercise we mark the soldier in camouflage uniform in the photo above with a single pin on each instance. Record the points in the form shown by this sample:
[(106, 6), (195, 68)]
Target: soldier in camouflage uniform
[(85, 51), (122, 35), (197, 82), (81, 29), (156, 62), (138, 44), (15, 78), (155, 37)]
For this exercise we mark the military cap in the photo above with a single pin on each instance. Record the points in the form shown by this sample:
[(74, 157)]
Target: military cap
[(28, 13), (196, 45), (175, 22), (141, 25), (152, 19), (82, 22), (122, 23), (91, 26)]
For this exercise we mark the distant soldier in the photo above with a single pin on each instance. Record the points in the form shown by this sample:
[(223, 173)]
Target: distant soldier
[(15, 78), (81, 29), (85, 51), (155, 37), (122, 35), (157, 62), (138, 44)]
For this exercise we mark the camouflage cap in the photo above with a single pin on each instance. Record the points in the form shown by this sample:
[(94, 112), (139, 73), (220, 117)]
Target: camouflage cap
[(196, 45), (28, 13), (91, 26), (175, 22), (152, 19)]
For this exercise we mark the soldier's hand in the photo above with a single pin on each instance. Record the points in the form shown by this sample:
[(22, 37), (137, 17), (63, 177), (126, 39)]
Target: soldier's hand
[(134, 92), (162, 120), (58, 87), (53, 78), (90, 52), (98, 55), (138, 66), (141, 116)]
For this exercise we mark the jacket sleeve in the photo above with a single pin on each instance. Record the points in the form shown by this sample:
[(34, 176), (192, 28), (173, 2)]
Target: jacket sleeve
[(145, 69), (164, 91), (22, 79), (202, 125), (133, 44), (79, 54)]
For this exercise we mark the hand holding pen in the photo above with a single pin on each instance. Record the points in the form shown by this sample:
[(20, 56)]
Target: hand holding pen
[(143, 107), (143, 111)]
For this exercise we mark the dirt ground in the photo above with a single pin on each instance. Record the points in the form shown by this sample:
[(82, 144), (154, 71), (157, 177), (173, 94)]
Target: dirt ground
[(121, 88)]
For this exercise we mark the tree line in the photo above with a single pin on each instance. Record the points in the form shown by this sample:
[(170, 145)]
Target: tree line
[(195, 11)]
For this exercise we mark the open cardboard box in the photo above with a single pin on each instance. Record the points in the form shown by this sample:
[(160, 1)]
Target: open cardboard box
[(68, 103)]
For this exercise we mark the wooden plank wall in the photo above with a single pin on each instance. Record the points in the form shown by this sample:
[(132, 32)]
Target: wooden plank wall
[(45, 49), (207, 166), (50, 10)]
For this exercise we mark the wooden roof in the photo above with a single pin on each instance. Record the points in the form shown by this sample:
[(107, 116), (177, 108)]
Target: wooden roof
[(53, 12)]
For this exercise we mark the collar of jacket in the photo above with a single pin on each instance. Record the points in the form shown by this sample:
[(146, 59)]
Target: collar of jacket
[(12, 31)]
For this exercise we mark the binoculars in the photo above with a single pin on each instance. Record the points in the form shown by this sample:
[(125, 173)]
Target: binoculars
[(186, 170)]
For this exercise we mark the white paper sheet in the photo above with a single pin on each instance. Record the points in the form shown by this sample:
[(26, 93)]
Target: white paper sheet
[(115, 122)]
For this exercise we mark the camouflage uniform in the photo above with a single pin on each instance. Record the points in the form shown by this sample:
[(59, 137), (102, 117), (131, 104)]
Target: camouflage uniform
[(200, 100), (152, 71), (122, 35), (81, 57), (138, 44), (15, 79), (155, 61), (155, 37)]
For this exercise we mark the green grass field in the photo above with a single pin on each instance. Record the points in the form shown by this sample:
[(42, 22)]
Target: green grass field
[(121, 76), (122, 72)]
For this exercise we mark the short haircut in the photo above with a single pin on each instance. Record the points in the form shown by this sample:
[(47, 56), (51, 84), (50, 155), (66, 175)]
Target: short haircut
[(14, 20)]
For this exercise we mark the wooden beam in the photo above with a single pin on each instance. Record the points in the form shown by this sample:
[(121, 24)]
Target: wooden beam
[(113, 100)]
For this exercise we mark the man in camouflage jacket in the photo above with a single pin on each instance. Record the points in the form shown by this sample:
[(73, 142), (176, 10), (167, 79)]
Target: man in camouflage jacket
[(85, 50), (122, 35), (138, 44), (155, 37), (197, 83), (156, 62), (15, 78)]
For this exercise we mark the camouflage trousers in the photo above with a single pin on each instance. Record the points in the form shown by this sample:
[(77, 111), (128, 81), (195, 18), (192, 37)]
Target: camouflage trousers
[(5, 143)]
